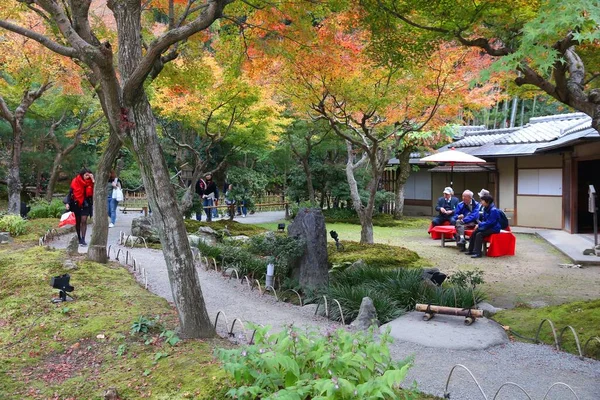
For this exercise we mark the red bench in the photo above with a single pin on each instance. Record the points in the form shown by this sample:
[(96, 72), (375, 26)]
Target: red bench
[(496, 245), (444, 231), (499, 244)]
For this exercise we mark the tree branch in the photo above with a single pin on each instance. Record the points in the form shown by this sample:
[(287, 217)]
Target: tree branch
[(5, 111), (158, 46), (41, 39)]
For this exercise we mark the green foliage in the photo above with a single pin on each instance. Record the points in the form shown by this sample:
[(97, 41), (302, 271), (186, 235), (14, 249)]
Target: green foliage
[(245, 262), (467, 279), (41, 208), (170, 337), (294, 365), (13, 224), (284, 250), (121, 350), (375, 255), (393, 291), (583, 316), (209, 251), (142, 325)]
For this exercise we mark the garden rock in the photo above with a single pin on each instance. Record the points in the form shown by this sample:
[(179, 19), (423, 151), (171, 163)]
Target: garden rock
[(4, 238), (488, 309), (194, 240), (142, 227), (367, 315), (73, 246), (207, 230), (239, 238), (70, 265), (312, 270), (206, 238), (358, 264)]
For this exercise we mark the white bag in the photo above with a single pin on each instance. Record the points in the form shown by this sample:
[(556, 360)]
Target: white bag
[(117, 193)]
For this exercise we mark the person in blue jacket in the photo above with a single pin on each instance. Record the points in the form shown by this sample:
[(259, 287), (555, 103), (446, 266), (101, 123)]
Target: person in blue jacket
[(489, 225), (446, 207), (467, 216)]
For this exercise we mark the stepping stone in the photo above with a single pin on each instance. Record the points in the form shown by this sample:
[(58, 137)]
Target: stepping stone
[(446, 331)]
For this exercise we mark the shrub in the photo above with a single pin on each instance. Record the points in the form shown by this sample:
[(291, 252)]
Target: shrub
[(350, 298), (284, 250), (294, 365), (374, 255), (393, 291), (209, 251), (13, 224), (466, 279), (41, 208), (246, 262)]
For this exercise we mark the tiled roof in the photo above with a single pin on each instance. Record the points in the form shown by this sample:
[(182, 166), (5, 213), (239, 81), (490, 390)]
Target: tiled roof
[(540, 134), (544, 129)]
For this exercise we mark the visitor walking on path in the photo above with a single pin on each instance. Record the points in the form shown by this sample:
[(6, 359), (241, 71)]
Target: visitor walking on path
[(208, 193), (115, 195), (81, 201)]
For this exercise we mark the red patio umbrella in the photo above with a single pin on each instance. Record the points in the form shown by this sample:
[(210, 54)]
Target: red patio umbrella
[(452, 156)]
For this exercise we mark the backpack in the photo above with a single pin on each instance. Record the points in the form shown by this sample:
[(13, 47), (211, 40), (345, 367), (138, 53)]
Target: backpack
[(503, 219)]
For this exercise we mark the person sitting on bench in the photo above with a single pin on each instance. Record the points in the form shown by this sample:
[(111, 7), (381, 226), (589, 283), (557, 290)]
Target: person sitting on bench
[(489, 225), (446, 206), (467, 216)]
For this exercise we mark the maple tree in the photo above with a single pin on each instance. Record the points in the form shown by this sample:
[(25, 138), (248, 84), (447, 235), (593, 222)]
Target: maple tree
[(551, 45), (373, 104), (218, 108), (303, 137), (63, 146), (141, 53), (28, 74)]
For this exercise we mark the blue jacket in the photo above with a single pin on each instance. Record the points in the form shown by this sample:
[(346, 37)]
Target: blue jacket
[(491, 219), (469, 216), (447, 204)]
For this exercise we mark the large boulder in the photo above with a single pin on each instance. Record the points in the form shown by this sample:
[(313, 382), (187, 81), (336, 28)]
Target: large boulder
[(312, 269), (367, 315), (142, 227)]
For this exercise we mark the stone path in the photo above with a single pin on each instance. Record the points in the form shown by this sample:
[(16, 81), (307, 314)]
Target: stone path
[(534, 367)]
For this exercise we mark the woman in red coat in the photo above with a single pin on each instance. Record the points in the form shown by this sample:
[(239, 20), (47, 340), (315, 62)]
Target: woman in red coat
[(82, 193)]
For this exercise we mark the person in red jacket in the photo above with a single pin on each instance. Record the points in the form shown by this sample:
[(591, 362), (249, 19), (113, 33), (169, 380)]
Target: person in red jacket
[(81, 202)]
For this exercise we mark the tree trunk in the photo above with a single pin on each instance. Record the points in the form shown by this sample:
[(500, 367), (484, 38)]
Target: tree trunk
[(185, 286), (13, 179), (366, 227), (309, 181), (365, 214), (53, 176), (98, 243), (38, 177), (402, 174)]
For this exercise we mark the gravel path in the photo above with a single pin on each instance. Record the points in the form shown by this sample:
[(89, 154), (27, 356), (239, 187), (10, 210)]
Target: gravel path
[(534, 367)]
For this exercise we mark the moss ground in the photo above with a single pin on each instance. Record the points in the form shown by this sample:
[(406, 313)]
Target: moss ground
[(234, 227), (375, 255), (584, 316), (70, 350), (77, 350)]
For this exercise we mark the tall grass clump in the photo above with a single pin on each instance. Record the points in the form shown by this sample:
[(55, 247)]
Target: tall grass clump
[(393, 292)]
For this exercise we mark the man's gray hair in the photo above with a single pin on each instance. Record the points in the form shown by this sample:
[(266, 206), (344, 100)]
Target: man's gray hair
[(468, 192)]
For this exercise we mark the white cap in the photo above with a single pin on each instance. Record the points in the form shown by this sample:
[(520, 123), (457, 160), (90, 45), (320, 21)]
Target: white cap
[(483, 192), (448, 190)]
